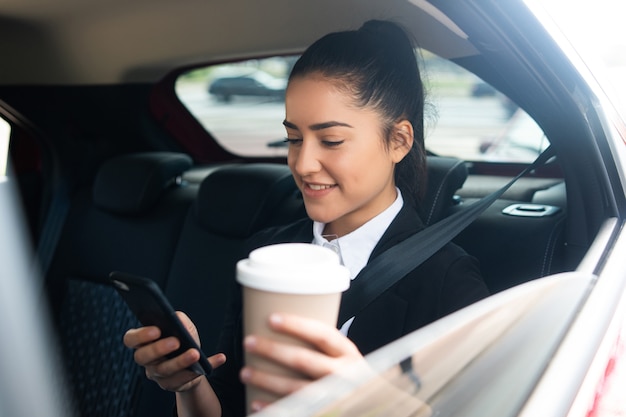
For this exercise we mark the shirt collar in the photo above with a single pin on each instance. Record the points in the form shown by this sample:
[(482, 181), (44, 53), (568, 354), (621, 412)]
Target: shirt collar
[(355, 248)]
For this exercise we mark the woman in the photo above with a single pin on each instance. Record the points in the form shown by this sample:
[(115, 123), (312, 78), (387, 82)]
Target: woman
[(354, 110)]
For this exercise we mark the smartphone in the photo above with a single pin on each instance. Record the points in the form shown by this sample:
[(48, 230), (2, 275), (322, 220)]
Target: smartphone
[(151, 307)]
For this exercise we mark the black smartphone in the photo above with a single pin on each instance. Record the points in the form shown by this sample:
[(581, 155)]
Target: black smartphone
[(149, 304)]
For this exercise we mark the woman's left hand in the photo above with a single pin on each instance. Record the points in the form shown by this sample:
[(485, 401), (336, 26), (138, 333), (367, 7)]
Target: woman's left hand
[(333, 351)]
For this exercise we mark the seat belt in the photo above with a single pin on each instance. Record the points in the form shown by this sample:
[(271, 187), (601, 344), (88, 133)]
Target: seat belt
[(396, 262)]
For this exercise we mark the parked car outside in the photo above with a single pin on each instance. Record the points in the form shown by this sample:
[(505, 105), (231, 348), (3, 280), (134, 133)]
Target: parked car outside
[(482, 89), (255, 84)]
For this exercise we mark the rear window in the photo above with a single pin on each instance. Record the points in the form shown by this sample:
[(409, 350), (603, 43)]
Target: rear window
[(241, 104)]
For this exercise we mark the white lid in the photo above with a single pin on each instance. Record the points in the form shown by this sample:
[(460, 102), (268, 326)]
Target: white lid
[(294, 268)]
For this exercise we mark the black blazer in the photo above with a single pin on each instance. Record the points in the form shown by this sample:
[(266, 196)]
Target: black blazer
[(446, 282)]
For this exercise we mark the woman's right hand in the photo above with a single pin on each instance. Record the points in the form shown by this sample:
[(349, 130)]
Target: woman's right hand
[(150, 352)]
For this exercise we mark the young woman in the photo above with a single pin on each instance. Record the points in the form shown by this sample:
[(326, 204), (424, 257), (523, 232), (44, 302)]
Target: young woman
[(354, 112)]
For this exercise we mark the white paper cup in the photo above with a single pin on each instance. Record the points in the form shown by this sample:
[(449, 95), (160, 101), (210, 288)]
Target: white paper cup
[(295, 278)]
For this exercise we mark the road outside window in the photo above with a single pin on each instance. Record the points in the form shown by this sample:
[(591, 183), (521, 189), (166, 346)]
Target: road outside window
[(242, 105)]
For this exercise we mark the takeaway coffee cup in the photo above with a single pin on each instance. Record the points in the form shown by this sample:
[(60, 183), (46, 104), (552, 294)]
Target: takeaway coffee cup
[(295, 278)]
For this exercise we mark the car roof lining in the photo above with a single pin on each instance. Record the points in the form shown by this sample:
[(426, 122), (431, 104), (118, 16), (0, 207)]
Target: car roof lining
[(115, 41)]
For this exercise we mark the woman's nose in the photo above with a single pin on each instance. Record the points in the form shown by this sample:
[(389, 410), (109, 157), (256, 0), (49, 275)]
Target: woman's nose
[(306, 158)]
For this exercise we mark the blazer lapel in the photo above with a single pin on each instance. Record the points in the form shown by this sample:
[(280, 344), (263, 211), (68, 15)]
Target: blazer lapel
[(405, 224)]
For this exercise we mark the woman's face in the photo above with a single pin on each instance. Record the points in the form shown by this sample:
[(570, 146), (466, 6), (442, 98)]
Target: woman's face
[(337, 155)]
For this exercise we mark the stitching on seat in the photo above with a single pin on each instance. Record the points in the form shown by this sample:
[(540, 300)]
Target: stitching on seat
[(432, 207), (550, 246)]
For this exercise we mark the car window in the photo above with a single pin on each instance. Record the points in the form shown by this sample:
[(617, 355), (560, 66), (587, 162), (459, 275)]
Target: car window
[(472, 363), (241, 104), (5, 133)]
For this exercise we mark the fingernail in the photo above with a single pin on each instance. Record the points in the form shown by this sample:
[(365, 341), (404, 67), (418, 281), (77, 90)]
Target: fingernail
[(193, 354), (249, 342), (171, 343), (276, 318), (256, 406), (245, 374)]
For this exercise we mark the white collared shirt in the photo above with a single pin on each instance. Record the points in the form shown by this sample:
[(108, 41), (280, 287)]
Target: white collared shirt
[(355, 248)]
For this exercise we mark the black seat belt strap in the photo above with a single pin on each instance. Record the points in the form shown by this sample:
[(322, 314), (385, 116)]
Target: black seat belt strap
[(393, 264)]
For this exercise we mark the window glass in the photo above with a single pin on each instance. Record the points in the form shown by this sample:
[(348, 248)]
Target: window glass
[(5, 133), (242, 105)]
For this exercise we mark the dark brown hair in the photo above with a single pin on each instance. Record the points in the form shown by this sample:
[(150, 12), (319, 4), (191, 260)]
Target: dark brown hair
[(378, 66)]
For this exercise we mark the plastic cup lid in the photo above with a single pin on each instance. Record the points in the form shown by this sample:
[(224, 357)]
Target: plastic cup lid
[(294, 268)]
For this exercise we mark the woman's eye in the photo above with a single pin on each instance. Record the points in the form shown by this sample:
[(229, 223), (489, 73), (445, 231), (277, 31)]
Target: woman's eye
[(332, 143), (293, 141)]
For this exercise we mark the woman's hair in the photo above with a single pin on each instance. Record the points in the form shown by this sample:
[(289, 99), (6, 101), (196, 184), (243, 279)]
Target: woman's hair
[(377, 66)]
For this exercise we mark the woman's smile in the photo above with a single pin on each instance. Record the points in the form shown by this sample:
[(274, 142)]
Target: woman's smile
[(318, 187)]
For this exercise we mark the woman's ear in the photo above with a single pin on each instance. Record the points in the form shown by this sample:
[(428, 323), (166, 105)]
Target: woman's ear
[(401, 140)]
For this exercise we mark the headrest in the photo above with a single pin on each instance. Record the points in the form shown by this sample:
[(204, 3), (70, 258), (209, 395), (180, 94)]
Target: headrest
[(130, 184), (238, 200), (445, 176)]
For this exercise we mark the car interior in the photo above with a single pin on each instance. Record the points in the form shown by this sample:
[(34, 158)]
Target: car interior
[(117, 172)]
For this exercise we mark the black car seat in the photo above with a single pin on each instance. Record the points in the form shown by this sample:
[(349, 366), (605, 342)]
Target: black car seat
[(129, 220), (446, 175)]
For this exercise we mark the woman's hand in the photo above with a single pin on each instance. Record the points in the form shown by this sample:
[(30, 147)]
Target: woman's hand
[(333, 351), (150, 352)]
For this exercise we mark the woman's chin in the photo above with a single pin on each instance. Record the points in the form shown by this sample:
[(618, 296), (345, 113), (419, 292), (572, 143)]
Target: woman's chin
[(320, 216)]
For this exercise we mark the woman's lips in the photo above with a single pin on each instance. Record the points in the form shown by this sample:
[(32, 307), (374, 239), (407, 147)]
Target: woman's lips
[(317, 190)]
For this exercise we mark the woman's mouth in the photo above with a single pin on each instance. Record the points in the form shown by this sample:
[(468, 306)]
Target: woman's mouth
[(312, 190), (319, 187)]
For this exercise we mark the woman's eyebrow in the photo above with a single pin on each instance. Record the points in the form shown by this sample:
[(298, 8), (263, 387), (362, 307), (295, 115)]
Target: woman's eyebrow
[(317, 126)]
